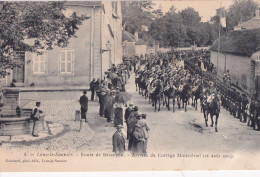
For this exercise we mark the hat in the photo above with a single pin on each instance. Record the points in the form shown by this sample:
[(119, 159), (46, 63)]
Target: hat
[(136, 108), (119, 126), (138, 116), (143, 115)]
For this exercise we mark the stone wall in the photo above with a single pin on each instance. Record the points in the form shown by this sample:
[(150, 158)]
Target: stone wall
[(241, 69)]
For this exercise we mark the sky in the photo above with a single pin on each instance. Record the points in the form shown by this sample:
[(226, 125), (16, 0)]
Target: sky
[(206, 8)]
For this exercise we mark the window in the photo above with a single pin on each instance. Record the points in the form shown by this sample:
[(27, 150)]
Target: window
[(39, 63), (66, 58)]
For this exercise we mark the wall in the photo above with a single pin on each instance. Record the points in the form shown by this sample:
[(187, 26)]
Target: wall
[(240, 69), (115, 38), (256, 58), (82, 59), (140, 49)]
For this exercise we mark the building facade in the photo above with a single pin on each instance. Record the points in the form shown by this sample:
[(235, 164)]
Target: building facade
[(96, 48)]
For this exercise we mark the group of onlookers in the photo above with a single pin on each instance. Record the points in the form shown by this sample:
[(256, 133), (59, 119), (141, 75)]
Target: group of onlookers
[(137, 132)]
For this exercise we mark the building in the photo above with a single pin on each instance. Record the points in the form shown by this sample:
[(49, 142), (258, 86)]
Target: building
[(240, 54), (96, 48), (253, 23), (133, 45)]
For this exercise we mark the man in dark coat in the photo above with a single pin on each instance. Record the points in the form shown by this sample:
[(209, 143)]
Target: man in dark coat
[(118, 141), (83, 107), (92, 88), (130, 127), (109, 107), (102, 102), (97, 87), (128, 111)]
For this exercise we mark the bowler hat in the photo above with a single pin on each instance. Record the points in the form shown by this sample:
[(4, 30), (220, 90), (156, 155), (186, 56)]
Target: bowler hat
[(136, 108)]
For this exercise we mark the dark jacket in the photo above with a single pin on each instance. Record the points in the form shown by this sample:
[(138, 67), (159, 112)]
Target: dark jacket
[(118, 142), (83, 103), (127, 113), (92, 85)]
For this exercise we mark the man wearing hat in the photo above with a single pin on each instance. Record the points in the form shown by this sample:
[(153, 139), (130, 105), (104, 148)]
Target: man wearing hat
[(102, 102), (83, 107), (130, 128), (118, 141), (92, 88), (128, 111), (109, 107)]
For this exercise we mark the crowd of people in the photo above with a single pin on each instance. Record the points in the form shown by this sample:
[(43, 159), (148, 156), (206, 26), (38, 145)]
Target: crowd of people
[(105, 91)]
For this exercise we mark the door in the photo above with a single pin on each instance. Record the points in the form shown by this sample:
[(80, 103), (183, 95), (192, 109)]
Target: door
[(18, 72)]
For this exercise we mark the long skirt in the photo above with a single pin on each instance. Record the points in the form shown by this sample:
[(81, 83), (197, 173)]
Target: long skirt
[(118, 120), (138, 147)]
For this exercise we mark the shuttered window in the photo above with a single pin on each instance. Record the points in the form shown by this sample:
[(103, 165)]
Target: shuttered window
[(39, 63), (66, 60)]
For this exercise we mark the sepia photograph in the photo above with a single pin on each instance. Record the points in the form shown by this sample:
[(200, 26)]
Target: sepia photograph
[(98, 86)]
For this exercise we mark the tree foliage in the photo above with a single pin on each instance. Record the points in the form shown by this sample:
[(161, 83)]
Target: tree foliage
[(184, 28), (44, 23), (240, 10)]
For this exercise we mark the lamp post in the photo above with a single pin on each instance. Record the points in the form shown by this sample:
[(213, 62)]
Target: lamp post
[(108, 45)]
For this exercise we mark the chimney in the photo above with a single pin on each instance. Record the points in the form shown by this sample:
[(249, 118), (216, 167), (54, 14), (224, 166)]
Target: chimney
[(257, 15), (136, 36)]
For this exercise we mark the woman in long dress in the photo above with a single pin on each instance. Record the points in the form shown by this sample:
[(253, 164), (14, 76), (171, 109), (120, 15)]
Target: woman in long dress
[(138, 140), (118, 111)]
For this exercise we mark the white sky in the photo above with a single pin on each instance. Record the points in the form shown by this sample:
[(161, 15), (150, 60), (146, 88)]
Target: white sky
[(206, 8)]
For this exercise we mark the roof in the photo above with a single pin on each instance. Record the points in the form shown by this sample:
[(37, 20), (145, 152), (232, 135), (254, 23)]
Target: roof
[(250, 24), (126, 36), (240, 42), (84, 3)]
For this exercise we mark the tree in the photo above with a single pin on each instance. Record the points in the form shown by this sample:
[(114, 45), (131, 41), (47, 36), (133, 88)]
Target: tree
[(42, 22), (240, 10), (136, 14)]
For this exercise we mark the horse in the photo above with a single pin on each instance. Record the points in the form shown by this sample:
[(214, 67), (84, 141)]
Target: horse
[(196, 93), (156, 96), (183, 96), (212, 107), (170, 93)]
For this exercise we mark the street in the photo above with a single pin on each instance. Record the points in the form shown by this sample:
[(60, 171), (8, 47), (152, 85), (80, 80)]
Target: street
[(181, 131), (170, 132)]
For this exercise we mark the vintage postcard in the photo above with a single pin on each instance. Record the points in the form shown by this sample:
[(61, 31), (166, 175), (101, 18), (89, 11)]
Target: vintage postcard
[(129, 85)]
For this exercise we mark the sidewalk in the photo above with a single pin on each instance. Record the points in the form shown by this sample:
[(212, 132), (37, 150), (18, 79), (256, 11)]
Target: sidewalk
[(55, 88)]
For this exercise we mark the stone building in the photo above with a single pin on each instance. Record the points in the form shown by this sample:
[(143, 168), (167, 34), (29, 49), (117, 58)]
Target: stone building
[(133, 45), (96, 48)]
